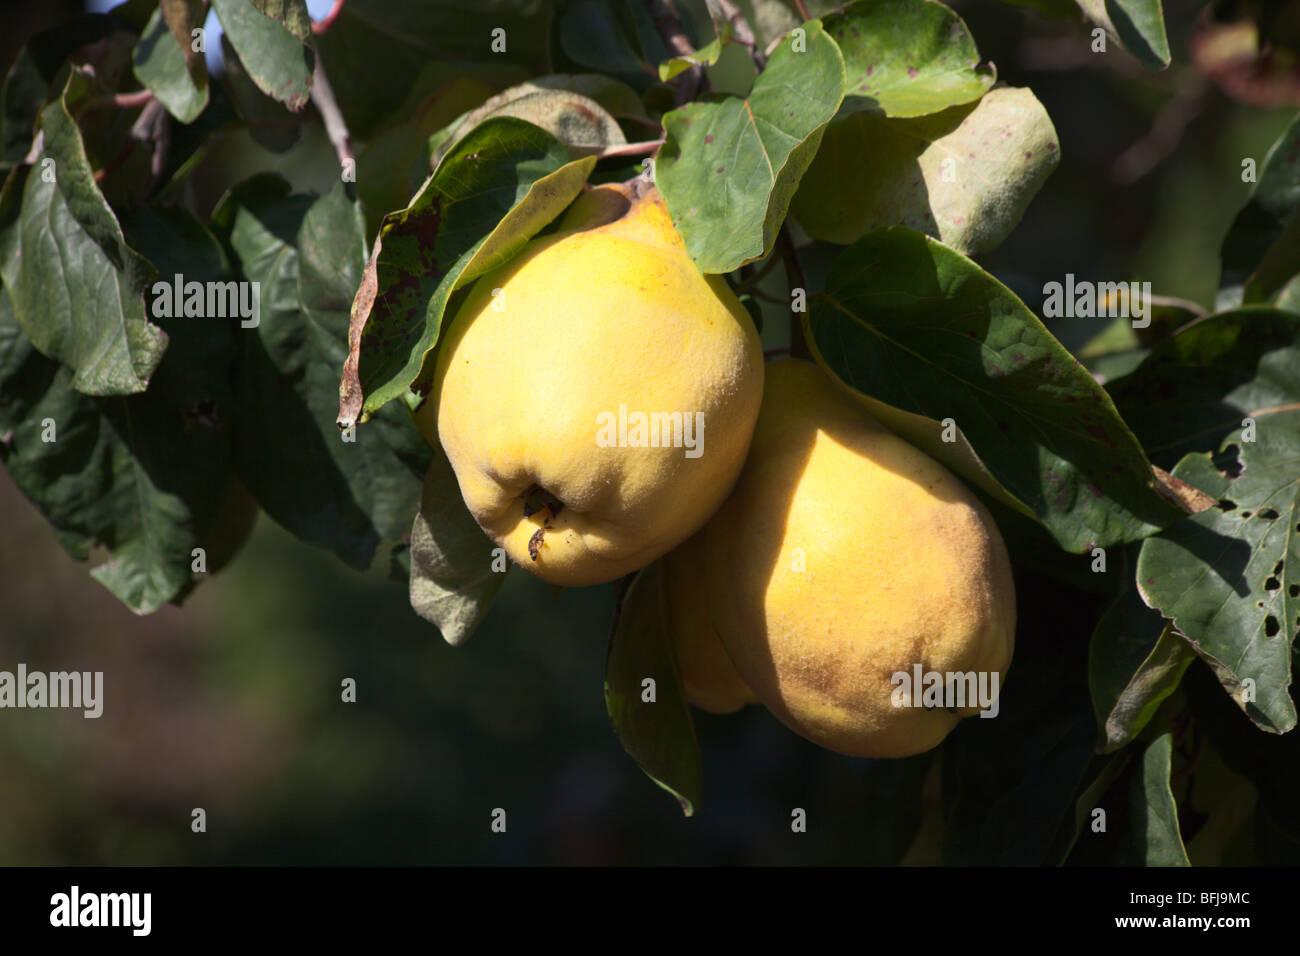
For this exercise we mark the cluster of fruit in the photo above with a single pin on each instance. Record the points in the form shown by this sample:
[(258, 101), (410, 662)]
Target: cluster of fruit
[(811, 556)]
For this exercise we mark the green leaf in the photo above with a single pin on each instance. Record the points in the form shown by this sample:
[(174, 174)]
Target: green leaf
[(907, 58), (1229, 577), (270, 124), (183, 17), (616, 37), (577, 121), (342, 492), (160, 65), (146, 476), (1256, 234), (77, 286), (659, 734), (1199, 385), (920, 328), (1138, 24), (728, 169), (1135, 661), (453, 581), (279, 62), (496, 189), (964, 176), (1141, 815)]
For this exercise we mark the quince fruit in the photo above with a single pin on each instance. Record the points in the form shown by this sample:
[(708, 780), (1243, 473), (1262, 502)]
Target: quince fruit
[(844, 557), (596, 394)]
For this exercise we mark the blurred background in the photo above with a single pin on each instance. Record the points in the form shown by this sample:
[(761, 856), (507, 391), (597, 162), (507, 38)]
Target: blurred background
[(232, 703)]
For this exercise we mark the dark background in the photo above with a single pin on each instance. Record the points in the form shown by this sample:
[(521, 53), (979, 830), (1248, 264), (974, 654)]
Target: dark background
[(232, 703)]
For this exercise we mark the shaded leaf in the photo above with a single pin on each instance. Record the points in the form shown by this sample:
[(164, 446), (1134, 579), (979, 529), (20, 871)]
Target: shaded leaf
[(1135, 661), (728, 169), (452, 578), (964, 176), (161, 65), (660, 734), (1198, 386), (1229, 577), (278, 60), (77, 286), (916, 326), (345, 493)]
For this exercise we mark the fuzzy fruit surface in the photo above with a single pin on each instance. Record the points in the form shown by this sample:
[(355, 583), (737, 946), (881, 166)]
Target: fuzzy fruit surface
[(608, 312), (844, 556)]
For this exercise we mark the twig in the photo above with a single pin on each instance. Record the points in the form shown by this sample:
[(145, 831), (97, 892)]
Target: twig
[(630, 149), (121, 101), (741, 31), (757, 276), (796, 280), (670, 28), (335, 127), (1162, 139), (767, 297), (320, 26), (803, 10)]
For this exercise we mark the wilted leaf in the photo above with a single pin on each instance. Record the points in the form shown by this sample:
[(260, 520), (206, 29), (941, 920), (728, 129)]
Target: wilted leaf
[(1135, 661), (500, 185)]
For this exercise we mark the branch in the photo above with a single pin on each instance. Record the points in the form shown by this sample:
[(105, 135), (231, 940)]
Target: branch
[(322, 94), (741, 31), (631, 149), (670, 28)]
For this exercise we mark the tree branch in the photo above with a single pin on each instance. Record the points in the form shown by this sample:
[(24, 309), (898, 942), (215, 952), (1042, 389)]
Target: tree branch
[(322, 95), (796, 280), (670, 28)]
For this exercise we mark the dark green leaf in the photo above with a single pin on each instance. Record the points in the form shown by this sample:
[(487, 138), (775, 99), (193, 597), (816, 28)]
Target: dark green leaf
[(923, 330), (658, 734), (77, 286), (279, 62), (1229, 577), (1258, 230), (160, 65), (343, 492), (453, 580), (1198, 386)]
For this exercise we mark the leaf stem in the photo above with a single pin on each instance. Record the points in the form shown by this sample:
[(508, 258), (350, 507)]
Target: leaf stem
[(795, 278)]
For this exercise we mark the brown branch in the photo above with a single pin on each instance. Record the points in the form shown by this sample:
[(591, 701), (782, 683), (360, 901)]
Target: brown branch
[(741, 31), (803, 10), (1166, 132), (322, 94), (631, 149), (670, 28)]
